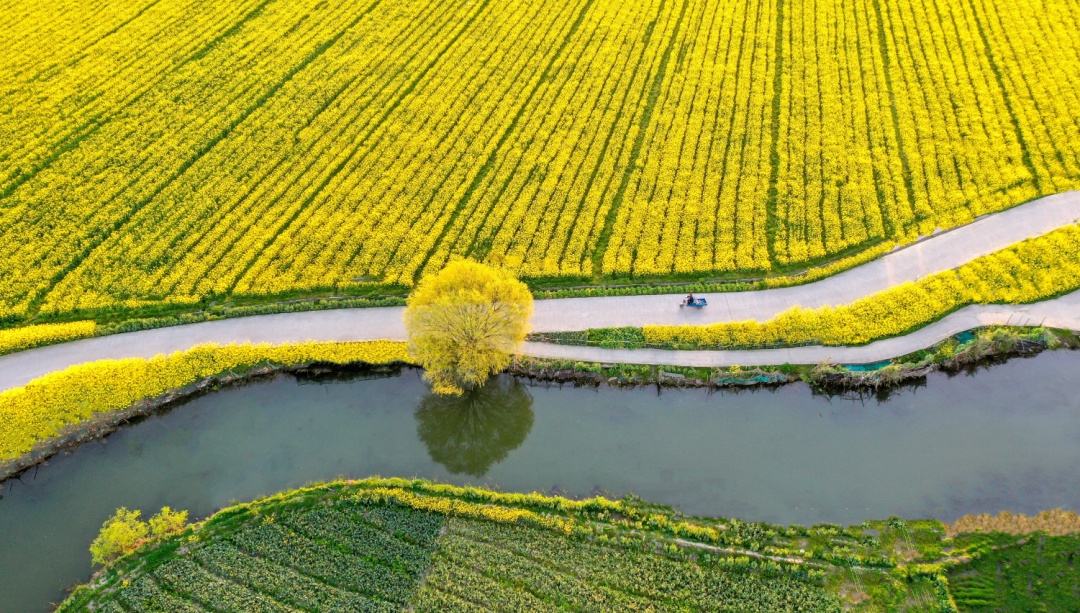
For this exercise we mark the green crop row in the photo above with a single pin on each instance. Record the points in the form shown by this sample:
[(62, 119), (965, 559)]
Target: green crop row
[(1011, 573), (187, 579), (642, 576), (364, 546), (143, 594), (326, 563), (417, 527), (339, 528), (283, 583)]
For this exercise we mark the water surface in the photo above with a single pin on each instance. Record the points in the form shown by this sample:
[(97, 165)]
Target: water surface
[(1005, 438)]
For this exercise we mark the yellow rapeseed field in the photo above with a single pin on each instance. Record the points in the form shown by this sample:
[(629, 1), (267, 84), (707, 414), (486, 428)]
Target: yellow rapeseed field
[(168, 151), (18, 339), (39, 409)]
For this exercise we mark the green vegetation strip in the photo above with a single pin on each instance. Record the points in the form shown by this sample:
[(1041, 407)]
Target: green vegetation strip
[(394, 544), (1010, 573), (964, 352)]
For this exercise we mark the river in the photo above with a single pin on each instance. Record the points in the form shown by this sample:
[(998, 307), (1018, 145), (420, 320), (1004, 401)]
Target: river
[(1007, 437)]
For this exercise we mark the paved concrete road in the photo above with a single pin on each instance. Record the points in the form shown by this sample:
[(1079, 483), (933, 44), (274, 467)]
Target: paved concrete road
[(941, 252), (944, 251), (335, 325), (1063, 312)]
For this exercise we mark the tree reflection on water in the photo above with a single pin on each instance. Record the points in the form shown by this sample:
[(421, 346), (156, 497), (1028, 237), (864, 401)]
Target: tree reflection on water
[(469, 433)]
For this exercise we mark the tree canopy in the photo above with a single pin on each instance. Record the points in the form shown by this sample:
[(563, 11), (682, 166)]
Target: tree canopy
[(125, 530), (465, 322), (119, 533)]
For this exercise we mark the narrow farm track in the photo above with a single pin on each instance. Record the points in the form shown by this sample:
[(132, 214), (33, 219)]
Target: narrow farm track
[(938, 253), (1063, 312)]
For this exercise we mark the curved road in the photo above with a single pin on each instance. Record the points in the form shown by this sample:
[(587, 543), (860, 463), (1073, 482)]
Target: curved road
[(941, 252)]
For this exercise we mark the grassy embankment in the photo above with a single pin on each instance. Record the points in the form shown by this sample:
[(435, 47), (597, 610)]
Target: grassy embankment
[(386, 545), (46, 406)]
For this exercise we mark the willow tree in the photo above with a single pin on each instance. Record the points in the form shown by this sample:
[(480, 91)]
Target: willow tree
[(464, 323)]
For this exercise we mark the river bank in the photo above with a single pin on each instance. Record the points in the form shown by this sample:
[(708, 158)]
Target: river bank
[(101, 425), (964, 351), (969, 353)]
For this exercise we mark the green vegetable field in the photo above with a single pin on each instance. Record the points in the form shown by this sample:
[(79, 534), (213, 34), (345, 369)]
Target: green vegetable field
[(394, 545)]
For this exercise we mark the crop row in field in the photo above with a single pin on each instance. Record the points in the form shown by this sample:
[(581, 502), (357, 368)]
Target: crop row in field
[(364, 546), (355, 553), (328, 559), (1009, 573), (489, 565), (174, 151)]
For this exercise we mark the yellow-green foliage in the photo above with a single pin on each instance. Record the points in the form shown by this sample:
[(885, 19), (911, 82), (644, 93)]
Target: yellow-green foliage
[(465, 322), (124, 531), (167, 521), (120, 533), (43, 334), (820, 272), (479, 503), (39, 409), (1029, 271), (461, 508)]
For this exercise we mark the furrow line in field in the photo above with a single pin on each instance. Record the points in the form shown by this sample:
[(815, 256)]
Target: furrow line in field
[(481, 123), (570, 111), (644, 123), (352, 117), (468, 90), (99, 219), (493, 156), (221, 135), (887, 62), (677, 205), (365, 158), (506, 171), (68, 137), (90, 127)]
